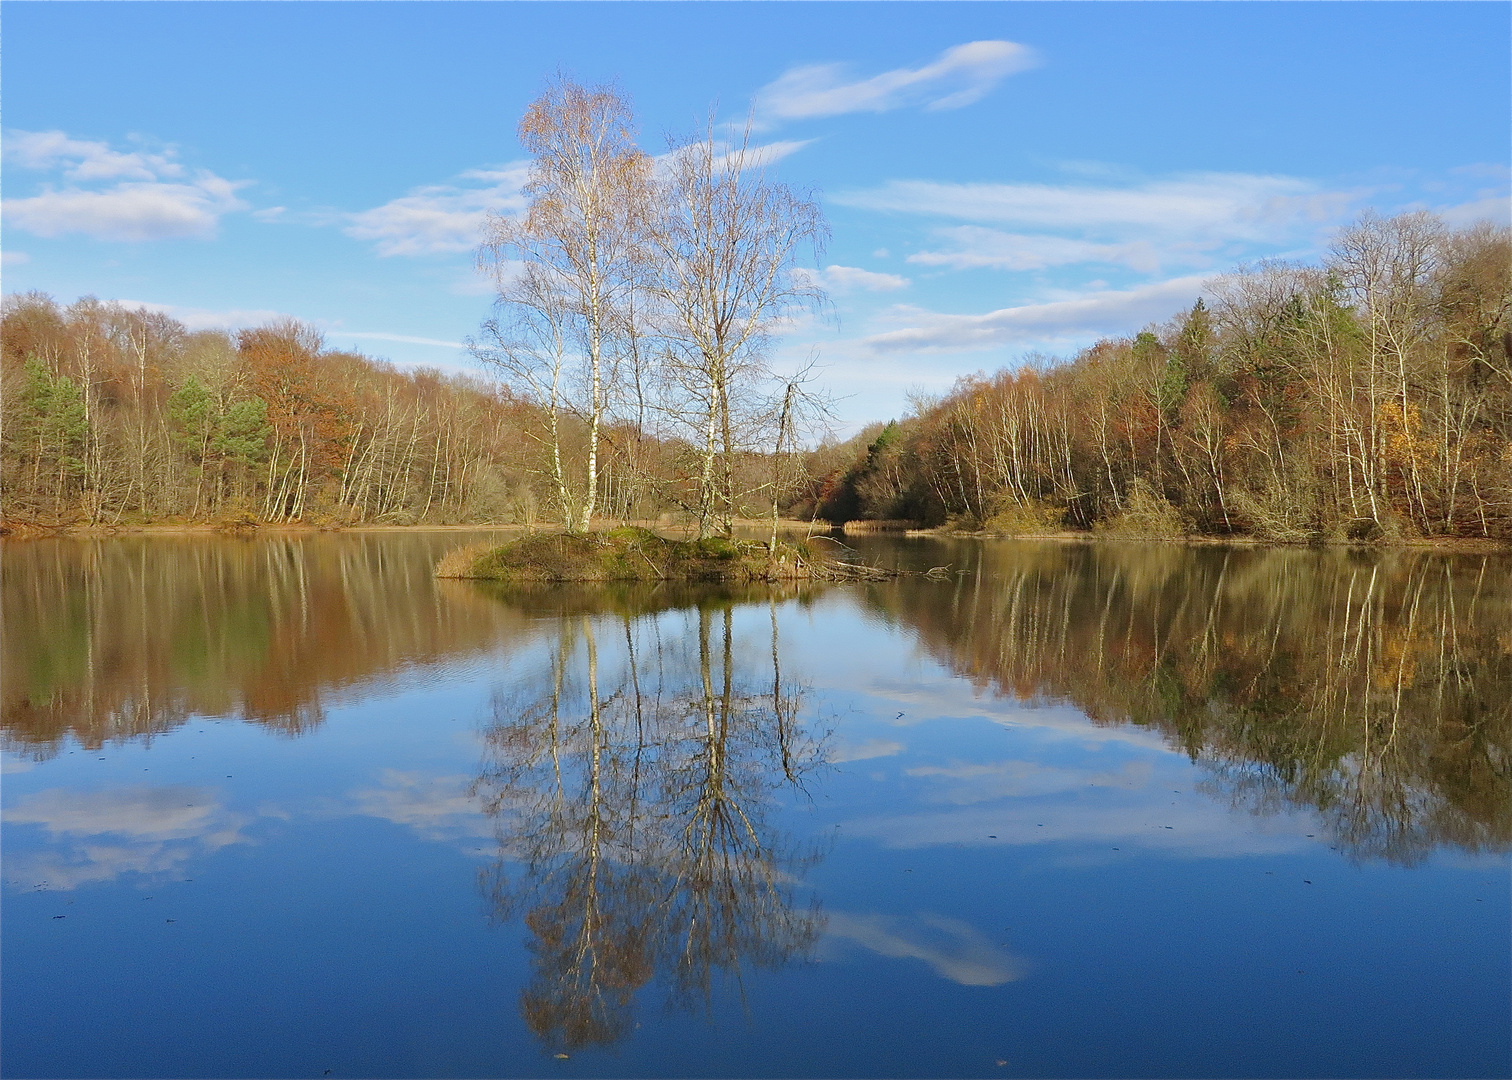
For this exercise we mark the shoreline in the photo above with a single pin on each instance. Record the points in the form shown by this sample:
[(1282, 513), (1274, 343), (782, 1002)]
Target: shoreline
[(19, 531), (27, 530), (1467, 544)]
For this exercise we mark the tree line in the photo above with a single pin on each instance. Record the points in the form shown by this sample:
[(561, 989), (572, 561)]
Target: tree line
[(624, 374), (1368, 396), (625, 363), (113, 415)]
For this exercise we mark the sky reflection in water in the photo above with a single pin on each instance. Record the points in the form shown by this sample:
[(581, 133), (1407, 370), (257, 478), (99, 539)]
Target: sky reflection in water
[(1118, 810)]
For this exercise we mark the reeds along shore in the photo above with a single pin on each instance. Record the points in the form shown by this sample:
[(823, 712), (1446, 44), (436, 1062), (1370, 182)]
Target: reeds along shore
[(862, 527)]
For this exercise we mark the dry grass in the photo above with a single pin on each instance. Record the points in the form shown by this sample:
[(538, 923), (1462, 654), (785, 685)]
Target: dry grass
[(880, 525), (1033, 518), (458, 562), (632, 554), (1146, 516)]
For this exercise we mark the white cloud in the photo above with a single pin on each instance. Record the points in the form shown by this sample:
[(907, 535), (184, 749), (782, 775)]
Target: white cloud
[(435, 807), (195, 318), (845, 279), (1213, 206), (148, 197), (374, 335), (171, 813), (150, 831), (1495, 208), (479, 283), (14, 258), (959, 76), (1101, 312), (1193, 829), (441, 218), (132, 211), (767, 153), (761, 154), (955, 950), (83, 160), (965, 783), (976, 247), (757, 156), (864, 751)]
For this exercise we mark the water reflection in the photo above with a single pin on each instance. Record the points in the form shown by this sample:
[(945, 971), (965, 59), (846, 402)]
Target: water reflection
[(633, 777), (97, 836), (1375, 690), (119, 639), (628, 768)]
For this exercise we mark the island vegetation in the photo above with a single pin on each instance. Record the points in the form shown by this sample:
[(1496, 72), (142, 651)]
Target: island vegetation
[(636, 554), (624, 376)]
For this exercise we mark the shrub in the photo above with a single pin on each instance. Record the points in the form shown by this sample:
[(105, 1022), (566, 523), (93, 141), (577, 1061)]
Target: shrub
[(1147, 515), (1018, 518)]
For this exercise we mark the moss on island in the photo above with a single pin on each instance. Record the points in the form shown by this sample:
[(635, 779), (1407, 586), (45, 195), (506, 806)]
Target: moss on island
[(632, 554)]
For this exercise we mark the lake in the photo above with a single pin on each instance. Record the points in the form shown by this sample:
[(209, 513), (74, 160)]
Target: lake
[(289, 806)]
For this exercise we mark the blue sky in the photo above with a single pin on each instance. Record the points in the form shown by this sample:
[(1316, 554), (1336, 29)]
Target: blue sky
[(1000, 178)]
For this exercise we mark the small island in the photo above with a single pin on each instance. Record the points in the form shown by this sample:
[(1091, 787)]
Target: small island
[(636, 554)]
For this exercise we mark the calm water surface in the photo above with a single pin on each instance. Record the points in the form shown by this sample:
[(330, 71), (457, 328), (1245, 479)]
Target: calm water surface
[(291, 807)]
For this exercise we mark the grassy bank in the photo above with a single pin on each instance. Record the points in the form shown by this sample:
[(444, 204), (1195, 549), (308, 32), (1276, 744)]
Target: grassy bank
[(632, 554)]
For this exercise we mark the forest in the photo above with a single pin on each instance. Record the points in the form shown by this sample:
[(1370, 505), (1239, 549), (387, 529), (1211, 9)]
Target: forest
[(1368, 397), (625, 374)]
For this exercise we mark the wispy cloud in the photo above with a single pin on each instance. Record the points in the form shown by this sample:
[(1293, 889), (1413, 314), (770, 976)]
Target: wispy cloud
[(846, 279), (1494, 207), (375, 335), (85, 160), (436, 807), (954, 949), (965, 783), (1107, 311), (195, 318), (732, 148), (134, 211), (100, 835), (441, 218), (761, 154), (1218, 206), (863, 751), (959, 76), (976, 247), (1193, 829), (135, 196)]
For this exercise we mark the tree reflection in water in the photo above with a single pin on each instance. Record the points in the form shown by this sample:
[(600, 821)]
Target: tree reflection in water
[(1374, 689), (632, 777), (120, 640)]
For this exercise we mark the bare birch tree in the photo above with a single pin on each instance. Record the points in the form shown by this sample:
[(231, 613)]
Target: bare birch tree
[(727, 241), (579, 243)]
